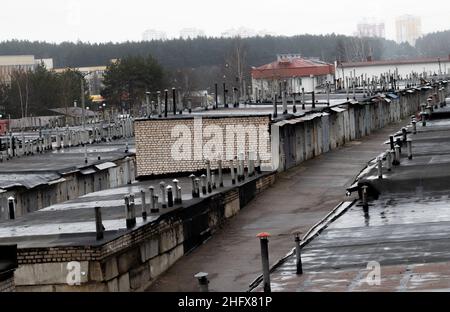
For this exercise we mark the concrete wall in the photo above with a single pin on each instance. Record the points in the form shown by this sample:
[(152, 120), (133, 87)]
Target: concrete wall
[(7, 284), (158, 141), (133, 260), (262, 88), (302, 138)]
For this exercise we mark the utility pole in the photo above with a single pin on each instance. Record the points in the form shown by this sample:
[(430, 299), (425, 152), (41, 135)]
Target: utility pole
[(83, 104), (83, 120)]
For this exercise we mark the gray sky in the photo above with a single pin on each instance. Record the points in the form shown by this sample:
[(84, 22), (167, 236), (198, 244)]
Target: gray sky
[(118, 20)]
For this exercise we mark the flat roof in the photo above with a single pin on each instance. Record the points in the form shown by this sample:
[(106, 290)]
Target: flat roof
[(49, 167), (406, 229), (72, 223)]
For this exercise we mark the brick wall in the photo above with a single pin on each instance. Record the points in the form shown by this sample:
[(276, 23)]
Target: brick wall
[(157, 139)]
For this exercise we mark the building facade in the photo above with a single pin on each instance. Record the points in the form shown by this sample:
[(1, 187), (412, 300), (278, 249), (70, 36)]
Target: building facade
[(408, 28), (402, 69), (13, 63), (292, 73)]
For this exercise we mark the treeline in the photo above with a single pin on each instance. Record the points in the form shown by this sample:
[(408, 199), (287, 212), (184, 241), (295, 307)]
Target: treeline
[(435, 44), (189, 65), (179, 53)]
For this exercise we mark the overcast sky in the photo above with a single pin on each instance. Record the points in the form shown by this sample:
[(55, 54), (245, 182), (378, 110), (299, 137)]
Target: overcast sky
[(118, 20)]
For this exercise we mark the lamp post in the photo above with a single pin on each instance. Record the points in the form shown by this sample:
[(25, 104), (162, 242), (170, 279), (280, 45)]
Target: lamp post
[(224, 93)]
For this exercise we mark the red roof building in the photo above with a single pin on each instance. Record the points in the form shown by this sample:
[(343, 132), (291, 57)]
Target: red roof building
[(292, 67), (292, 73)]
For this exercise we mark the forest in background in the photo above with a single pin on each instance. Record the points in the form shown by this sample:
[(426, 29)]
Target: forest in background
[(193, 64)]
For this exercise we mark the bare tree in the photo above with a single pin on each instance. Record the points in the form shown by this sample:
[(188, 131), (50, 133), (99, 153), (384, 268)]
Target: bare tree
[(20, 78), (237, 62)]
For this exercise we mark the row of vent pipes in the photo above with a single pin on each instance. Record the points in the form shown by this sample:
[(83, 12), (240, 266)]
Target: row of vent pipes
[(65, 138), (171, 195)]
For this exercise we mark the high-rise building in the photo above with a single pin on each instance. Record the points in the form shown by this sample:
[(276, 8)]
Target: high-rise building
[(153, 34), (191, 33), (242, 32), (409, 29), (370, 29)]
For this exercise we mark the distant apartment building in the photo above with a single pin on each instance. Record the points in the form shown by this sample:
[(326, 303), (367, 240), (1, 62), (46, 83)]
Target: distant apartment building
[(368, 29), (94, 75), (408, 28), (11, 63), (242, 32), (153, 34), (191, 33)]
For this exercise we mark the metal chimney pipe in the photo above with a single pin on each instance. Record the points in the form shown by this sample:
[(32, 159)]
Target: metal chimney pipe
[(98, 223)]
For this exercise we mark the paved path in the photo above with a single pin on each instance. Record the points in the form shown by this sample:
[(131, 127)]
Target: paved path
[(301, 197)]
